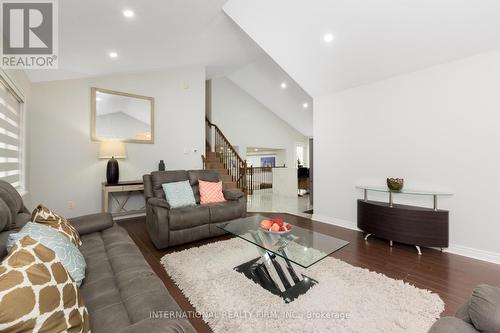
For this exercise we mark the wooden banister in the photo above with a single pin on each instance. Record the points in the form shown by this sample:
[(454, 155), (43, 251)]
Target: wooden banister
[(228, 156)]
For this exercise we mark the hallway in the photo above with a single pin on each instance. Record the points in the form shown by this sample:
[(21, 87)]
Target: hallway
[(266, 201)]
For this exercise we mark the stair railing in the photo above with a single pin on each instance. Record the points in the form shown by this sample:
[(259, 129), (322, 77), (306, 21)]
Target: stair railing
[(228, 156)]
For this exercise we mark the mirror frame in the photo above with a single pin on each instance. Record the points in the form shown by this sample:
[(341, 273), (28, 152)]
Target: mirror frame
[(93, 118)]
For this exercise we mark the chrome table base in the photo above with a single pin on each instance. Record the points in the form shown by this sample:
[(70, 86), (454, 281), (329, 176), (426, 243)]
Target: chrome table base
[(277, 275)]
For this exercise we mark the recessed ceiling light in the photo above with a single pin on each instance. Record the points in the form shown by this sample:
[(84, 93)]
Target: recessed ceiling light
[(328, 38), (113, 55), (256, 149), (305, 105), (98, 99), (128, 13), (283, 85)]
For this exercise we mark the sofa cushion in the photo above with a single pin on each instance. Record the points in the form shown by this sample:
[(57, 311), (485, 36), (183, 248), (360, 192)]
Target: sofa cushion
[(484, 308), (226, 211), (158, 178), (121, 290), (43, 215), (46, 299), (188, 217), (206, 175), (179, 194), (210, 192), (66, 251)]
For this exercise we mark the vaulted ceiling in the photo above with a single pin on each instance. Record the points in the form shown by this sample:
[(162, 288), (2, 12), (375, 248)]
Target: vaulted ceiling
[(263, 79), (372, 40), (171, 34), (161, 35)]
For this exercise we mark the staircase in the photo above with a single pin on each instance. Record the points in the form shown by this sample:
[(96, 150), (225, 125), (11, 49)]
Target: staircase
[(224, 159), (212, 162)]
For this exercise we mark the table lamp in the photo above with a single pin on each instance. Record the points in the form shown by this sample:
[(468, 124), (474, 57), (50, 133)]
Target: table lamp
[(112, 150)]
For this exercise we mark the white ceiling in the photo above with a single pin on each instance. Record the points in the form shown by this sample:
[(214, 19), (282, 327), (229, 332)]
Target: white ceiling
[(373, 39), (262, 79), (170, 34), (163, 34)]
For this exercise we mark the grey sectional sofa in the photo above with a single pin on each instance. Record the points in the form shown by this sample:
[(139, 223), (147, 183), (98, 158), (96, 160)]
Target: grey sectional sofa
[(170, 227), (480, 314), (120, 290)]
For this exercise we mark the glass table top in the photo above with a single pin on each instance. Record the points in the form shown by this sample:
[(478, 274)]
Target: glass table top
[(404, 191), (301, 246)]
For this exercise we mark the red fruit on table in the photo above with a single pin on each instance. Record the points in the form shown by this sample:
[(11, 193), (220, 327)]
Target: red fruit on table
[(279, 221), (288, 226), (275, 227), (282, 228), (266, 224)]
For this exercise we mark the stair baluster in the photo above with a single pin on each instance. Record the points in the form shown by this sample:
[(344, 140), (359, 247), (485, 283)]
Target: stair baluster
[(235, 168)]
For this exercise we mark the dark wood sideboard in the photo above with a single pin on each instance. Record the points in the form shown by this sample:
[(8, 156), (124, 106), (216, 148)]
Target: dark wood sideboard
[(418, 226)]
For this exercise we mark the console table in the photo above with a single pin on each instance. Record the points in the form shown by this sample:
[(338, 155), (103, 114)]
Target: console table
[(127, 187), (418, 226)]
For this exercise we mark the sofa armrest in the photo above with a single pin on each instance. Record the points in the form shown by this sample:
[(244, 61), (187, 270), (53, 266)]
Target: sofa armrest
[(452, 325), (87, 224), (484, 308), (232, 195), (159, 203)]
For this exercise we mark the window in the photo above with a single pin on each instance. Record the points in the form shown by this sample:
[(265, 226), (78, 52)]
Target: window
[(11, 136)]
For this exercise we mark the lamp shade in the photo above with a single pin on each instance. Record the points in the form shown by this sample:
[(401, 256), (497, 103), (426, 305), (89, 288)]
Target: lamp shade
[(116, 149)]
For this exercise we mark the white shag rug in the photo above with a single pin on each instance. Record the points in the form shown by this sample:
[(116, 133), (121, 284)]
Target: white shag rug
[(346, 299)]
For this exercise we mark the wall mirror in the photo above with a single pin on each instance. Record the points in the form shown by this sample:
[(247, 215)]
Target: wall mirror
[(122, 116)]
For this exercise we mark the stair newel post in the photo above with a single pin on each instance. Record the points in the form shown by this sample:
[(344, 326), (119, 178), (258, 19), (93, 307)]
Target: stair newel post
[(231, 171), (251, 179), (244, 178), (225, 154)]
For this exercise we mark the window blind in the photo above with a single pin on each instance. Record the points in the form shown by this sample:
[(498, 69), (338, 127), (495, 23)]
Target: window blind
[(10, 137)]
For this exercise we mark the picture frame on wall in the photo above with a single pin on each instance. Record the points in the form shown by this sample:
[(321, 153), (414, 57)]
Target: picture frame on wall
[(268, 162)]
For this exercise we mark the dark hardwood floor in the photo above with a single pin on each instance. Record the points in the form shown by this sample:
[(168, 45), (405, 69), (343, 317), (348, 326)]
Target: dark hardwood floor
[(451, 276)]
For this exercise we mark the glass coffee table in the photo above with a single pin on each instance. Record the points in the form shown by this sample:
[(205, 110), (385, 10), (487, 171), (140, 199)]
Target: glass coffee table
[(283, 257)]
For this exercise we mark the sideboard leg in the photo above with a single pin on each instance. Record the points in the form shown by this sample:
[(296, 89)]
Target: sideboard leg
[(390, 243), (367, 235), (418, 250)]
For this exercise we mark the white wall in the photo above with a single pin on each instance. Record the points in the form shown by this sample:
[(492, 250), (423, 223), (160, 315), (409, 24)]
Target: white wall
[(247, 123), (438, 127), (64, 163), (254, 159)]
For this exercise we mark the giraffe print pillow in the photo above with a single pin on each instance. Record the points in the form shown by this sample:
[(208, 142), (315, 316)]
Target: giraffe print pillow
[(37, 294), (42, 214)]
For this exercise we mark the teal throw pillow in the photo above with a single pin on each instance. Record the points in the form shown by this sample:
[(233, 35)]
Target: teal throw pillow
[(71, 258), (179, 194)]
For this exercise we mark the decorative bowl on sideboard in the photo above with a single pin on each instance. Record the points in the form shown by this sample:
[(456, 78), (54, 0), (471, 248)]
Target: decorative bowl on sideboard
[(395, 184)]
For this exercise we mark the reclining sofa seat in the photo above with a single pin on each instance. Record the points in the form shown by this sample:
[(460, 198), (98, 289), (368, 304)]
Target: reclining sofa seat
[(169, 227)]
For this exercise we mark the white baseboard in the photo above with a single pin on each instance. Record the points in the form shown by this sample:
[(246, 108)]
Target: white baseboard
[(474, 253), (453, 248), (335, 221)]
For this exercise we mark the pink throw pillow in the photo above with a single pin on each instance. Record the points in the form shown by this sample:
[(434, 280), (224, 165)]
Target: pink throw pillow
[(211, 192)]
